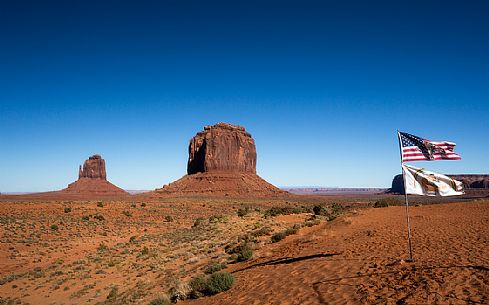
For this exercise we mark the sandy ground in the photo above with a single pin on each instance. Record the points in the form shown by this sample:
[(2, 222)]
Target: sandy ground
[(360, 259), (141, 249)]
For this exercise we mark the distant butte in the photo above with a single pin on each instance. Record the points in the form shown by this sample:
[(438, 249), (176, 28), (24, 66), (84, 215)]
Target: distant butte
[(92, 180), (222, 161)]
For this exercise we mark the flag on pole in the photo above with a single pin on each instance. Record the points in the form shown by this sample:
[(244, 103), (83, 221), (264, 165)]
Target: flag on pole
[(418, 181), (418, 149)]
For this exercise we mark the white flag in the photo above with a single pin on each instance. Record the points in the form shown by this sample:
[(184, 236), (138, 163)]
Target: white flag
[(418, 181)]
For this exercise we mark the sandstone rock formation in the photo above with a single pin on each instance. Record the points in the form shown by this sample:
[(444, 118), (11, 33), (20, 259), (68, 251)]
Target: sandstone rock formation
[(470, 181), (94, 168), (222, 161), (222, 148), (92, 180)]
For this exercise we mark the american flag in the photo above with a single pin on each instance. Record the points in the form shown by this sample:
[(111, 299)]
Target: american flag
[(418, 149)]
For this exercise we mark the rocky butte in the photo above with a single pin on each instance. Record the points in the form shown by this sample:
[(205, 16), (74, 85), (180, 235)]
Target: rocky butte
[(92, 180), (221, 161)]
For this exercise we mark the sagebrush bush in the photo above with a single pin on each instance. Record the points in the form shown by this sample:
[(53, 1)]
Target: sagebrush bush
[(243, 211), (275, 211), (67, 210), (160, 301), (385, 202), (214, 267), (242, 252), (218, 282), (198, 286), (245, 254), (278, 237)]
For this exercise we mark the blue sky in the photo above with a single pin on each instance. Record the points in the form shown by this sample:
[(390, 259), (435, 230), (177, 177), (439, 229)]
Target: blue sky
[(322, 87)]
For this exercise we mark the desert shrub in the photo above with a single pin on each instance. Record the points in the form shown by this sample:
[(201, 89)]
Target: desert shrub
[(132, 239), (275, 211), (312, 222), (100, 204), (319, 210), (143, 204), (385, 202), (214, 267), (243, 211), (168, 218), (127, 213), (99, 217), (133, 205), (67, 209), (54, 227), (102, 247), (180, 292), (198, 287), (292, 230), (198, 222), (245, 254), (160, 301), (217, 218), (86, 218), (278, 237), (113, 294), (218, 282), (261, 232), (242, 252), (145, 251)]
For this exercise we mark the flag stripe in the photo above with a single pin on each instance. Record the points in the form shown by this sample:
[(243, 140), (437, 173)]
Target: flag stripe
[(418, 149)]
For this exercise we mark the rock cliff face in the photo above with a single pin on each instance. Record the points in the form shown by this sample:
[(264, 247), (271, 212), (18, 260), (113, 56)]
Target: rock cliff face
[(93, 168), (470, 181), (222, 162), (222, 148)]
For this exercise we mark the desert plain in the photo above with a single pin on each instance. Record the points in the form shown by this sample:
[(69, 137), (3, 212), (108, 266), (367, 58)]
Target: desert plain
[(290, 249)]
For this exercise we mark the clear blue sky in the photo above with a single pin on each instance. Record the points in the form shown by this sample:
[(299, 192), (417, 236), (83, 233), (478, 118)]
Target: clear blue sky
[(322, 87)]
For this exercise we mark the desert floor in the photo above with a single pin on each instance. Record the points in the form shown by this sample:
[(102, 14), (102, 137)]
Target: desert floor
[(132, 251)]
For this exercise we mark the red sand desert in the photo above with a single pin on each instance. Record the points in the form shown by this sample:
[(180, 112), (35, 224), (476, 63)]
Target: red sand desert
[(143, 249)]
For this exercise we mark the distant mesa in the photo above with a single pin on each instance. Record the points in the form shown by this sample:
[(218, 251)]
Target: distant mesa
[(473, 183), (92, 180), (222, 161)]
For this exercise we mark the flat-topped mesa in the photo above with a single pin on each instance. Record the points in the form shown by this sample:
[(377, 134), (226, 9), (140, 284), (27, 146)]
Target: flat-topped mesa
[(222, 148), (93, 168)]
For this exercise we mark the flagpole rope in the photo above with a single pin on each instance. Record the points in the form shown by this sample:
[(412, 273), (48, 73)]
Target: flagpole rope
[(406, 200)]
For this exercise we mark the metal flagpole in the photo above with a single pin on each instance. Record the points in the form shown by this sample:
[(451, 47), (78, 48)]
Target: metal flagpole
[(406, 199)]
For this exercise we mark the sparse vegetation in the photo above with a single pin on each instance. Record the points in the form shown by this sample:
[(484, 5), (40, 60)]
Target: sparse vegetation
[(113, 294), (160, 301), (275, 211), (168, 218), (281, 235), (102, 247), (242, 212), (143, 204), (54, 227), (126, 213), (385, 202), (219, 282), (242, 252), (214, 267), (278, 237), (100, 204), (67, 209)]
